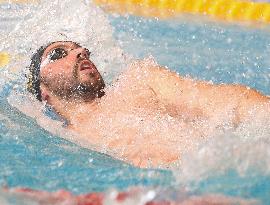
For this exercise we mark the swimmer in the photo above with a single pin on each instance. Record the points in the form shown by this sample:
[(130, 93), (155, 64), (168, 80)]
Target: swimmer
[(125, 118)]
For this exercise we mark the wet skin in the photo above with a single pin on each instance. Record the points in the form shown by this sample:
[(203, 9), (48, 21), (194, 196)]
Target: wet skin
[(65, 67), (150, 116)]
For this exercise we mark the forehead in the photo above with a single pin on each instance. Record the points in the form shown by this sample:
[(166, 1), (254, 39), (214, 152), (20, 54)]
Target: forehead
[(60, 44)]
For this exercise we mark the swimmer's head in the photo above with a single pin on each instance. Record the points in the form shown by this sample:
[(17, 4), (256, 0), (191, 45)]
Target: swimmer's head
[(64, 70)]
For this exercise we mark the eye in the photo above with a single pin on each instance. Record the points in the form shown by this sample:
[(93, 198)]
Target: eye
[(57, 54)]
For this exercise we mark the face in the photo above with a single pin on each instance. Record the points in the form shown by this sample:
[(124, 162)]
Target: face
[(68, 73)]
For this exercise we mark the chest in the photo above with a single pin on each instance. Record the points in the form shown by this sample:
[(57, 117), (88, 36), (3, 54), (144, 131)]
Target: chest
[(131, 100)]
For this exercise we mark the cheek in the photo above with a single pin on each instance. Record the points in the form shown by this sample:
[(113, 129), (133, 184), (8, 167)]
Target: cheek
[(57, 68), (46, 70)]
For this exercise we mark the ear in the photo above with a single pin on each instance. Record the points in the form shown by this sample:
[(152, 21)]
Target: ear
[(44, 94)]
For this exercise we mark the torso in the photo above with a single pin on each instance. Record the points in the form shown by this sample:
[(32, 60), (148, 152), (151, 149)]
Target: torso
[(132, 124)]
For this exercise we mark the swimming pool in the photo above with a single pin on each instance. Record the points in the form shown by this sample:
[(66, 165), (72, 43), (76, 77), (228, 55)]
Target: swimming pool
[(234, 164)]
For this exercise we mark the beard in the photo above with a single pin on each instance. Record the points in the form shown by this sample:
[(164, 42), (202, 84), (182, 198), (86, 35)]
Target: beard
[(71, 88)]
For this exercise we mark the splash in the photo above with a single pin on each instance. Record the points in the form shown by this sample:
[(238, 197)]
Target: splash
[(71, 20), (78, 21), (244, 150), (241, 150)]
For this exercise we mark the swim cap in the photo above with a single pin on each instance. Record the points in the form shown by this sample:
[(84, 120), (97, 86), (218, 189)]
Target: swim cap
[(33, 84)]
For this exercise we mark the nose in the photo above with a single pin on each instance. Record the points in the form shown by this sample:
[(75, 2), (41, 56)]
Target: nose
[(83, 53)]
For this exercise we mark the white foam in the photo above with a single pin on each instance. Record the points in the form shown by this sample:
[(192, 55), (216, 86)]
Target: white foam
[(245, 150), (76, 20), (79, 21)]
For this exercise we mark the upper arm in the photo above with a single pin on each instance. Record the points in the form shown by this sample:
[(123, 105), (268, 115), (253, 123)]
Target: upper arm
[(189, 94), (162, 81), (167, 85), (206, 97), (250, 101)]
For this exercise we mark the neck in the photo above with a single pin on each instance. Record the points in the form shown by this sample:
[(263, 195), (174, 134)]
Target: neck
[(74, 111)]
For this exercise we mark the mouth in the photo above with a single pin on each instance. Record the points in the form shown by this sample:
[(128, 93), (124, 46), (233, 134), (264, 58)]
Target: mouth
[(86, 65)]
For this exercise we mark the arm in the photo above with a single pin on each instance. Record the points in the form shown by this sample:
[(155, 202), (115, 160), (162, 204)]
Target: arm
[(249, 101), (202, 98)]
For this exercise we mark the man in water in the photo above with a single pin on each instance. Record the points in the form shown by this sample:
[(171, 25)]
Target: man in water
[(148, 117)]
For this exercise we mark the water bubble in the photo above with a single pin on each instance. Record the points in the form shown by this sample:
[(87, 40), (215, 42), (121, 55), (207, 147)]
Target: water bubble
[(229, 40), (3, 128)]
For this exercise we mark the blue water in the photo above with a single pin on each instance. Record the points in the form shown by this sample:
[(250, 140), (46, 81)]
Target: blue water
[(202, 49), (32, 157), (208, 50)]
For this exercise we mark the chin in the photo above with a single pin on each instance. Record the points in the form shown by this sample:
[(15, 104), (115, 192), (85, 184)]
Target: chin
[(86, 79), (91, 83)]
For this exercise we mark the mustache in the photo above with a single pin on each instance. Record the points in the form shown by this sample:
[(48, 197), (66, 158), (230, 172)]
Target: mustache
[(76, 66)]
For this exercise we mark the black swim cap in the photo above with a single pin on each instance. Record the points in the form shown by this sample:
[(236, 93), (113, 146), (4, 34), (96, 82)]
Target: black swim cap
[(33, 84)]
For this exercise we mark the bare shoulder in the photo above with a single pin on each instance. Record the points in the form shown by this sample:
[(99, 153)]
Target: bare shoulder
[(142, 68), (151, 73), (246, 93)]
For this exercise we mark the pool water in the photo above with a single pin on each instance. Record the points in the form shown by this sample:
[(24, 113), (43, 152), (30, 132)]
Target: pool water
[(30, 156), (203, 49)]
